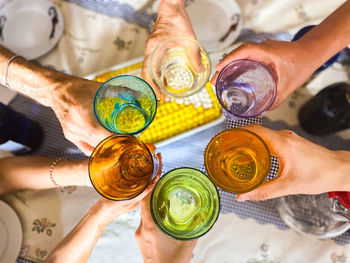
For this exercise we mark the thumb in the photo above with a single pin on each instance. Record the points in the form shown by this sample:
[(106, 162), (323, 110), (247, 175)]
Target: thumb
[(146, 76), (267, 190)]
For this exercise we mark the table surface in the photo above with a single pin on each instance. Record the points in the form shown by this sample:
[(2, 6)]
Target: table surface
[(247, 233)]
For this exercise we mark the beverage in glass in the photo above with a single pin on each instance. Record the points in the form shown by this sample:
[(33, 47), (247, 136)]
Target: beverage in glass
[(125, 105), (237, 160), (185, 203), (245, 88), (179, 67), (121, 167)]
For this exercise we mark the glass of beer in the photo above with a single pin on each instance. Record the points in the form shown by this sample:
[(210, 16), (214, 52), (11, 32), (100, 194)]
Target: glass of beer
[(179, 67), (237, 160), (121, 167), (185, 203), (125, 105)]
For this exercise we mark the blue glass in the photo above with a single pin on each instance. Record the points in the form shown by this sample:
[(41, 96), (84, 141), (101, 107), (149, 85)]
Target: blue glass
[(125, 105)]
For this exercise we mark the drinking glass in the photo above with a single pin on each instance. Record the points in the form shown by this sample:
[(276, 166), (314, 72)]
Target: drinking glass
[(179, 67), (237, 160), (125, 104), (185, 203), (121, 167), (245, 88)]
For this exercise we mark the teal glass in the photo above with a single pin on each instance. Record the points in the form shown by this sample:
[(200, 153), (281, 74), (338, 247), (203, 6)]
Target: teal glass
[(125, 105), (185, 203)]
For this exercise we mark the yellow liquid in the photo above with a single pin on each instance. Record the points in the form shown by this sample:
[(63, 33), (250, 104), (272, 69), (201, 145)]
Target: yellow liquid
[(128, 119)]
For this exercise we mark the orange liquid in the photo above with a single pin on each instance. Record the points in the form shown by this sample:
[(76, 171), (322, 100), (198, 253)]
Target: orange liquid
[(121, 167), (237, 160)]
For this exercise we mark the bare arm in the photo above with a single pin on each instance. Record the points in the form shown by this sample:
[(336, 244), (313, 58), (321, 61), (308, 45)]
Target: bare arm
[(70, 97), (77, 246), (32, 172), (304, 167), (294, 62)]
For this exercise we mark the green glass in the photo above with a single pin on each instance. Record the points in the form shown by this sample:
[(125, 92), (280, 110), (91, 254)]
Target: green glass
[(185, 203), (125, 105)]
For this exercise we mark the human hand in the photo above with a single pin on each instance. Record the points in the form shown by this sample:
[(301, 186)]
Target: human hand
[(155, 246), (304, 167), (72, 101), (113, 209), (289, 62), (172, 21)]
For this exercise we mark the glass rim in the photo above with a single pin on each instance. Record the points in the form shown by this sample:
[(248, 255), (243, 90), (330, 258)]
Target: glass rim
[(156, 221), (126, 76), (259, 139), (266, 69), (150, 63), (103, 141)]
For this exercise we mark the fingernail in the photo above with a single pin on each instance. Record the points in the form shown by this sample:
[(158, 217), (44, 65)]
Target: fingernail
[(243, 198)]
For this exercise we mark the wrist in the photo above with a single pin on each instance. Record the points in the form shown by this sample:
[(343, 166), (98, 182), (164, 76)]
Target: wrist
[(35, 81), (101, 214), (173, 2), (341, 171)]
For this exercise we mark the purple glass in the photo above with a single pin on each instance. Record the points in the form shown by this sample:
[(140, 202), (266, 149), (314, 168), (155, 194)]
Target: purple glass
[(245, 88)]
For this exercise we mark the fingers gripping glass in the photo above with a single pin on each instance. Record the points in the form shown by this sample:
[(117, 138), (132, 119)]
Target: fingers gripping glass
[(179, 67)]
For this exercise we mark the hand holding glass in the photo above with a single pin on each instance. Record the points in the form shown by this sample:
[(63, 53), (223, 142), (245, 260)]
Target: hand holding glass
[(179, 67)]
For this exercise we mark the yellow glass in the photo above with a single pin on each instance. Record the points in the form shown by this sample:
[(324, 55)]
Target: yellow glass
[(121, 167), (237, 160)]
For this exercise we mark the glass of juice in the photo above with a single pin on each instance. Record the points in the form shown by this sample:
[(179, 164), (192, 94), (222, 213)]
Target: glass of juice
[(125, 105), (179, 67), (245, 89), (185, 203), (121, 167), (237, 160)]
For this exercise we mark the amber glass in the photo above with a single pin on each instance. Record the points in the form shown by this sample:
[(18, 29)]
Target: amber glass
[(237, 160), (121, 167)]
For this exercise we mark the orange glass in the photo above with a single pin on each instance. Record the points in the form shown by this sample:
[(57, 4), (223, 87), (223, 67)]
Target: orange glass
[(121, 167), (237, 160)]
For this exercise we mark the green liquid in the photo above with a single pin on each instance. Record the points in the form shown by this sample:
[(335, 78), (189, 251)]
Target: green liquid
[(185, 203)]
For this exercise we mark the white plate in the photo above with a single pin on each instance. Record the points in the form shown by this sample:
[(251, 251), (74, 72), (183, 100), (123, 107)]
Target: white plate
[(217, 23), (10, 234), (30, 28)]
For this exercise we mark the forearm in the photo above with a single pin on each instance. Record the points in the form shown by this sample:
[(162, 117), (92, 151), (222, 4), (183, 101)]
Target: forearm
[(172, 254), (339, 176), (78, 244), (32, 172), (329, 37), (35, 81)]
